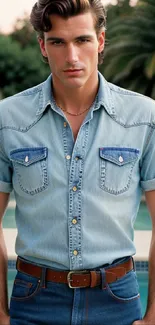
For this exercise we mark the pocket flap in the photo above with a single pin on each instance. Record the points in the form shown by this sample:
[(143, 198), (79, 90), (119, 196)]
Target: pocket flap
[(119, 156), (28, 156)]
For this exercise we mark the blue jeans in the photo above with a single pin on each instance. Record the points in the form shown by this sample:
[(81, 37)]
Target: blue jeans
[(40, 302)]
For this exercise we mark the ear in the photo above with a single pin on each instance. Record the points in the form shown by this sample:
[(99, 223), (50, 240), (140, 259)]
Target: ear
[(101, 42), (42, 46)]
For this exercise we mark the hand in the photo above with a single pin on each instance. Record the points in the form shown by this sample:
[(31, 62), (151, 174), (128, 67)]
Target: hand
[(143, 322), (5, 320)]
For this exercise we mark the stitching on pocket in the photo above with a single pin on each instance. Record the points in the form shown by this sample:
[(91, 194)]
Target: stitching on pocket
[(131, 273), (119, 299), (43, 165), (103, 173), (22, 282), (30, 296)]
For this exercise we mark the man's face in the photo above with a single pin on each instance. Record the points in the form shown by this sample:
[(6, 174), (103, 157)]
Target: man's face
[(72, 48)]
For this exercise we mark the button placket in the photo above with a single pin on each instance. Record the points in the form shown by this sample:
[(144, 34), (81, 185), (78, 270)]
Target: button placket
[(68, 143), (75, 209)]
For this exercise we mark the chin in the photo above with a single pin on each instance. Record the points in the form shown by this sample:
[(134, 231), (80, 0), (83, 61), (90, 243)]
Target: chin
[(74, 86), (75, 83)]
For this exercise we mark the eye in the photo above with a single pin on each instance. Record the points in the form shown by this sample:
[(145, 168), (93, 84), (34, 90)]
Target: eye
[(57, 43), (83, 40)]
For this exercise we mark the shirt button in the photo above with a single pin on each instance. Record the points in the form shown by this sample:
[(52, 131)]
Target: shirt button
[(121, 159), (26, 159), (75, 252), (68, 157), (74, 188), (74, 221), (65, 124)]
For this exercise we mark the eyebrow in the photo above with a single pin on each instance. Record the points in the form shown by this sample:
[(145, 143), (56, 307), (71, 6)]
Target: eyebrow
[(63, 40)]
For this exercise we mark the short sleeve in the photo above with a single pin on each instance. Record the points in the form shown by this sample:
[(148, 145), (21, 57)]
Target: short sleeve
[(148, 164), (5, 172)]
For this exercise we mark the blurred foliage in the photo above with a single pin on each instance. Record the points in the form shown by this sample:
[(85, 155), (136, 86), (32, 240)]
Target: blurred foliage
[(122, 9), (21, 63), (23, 33), (130, 52)]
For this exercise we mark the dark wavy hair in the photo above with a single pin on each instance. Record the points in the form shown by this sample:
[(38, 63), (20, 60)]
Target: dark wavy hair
[(42, 9)]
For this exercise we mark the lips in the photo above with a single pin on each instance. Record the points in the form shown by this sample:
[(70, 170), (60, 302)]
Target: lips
[(73, 70)]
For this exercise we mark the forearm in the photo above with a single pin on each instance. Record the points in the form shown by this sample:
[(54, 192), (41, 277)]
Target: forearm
[(3, 275), (150, 312)]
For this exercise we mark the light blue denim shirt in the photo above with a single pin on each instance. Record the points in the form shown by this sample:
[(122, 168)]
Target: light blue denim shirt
[(76, 202)]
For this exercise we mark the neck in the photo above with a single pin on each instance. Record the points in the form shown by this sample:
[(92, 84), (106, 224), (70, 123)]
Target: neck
[(75, 100)]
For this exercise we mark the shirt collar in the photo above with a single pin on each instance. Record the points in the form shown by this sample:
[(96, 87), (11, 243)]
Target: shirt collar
[(104, 97), (46, 97)]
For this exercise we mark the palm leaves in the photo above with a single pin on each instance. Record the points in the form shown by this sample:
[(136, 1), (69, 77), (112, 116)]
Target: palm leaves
[(130, 53)]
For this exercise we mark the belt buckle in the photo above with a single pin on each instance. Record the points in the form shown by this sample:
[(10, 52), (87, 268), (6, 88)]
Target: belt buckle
[(69, 278)]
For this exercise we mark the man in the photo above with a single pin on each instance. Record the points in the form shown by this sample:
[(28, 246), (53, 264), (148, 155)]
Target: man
[(77, 151)]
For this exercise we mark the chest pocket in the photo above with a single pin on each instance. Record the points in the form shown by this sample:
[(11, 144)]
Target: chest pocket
[(116, 167), (30, 169)]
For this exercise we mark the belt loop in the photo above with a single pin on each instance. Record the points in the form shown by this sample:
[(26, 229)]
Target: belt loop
[(43, 278), (103, 278), (93, 277), (134, 264)]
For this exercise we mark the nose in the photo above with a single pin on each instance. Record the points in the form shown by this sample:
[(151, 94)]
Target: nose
[(72, 54)]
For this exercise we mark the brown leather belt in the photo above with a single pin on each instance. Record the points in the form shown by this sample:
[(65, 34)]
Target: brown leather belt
[(77, 279)]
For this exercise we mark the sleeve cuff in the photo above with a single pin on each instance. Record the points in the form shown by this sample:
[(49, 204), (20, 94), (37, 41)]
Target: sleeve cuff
[(5, 187), (148, 185)]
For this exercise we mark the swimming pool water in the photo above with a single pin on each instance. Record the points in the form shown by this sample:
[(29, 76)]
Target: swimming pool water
[(142, 280)]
